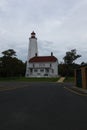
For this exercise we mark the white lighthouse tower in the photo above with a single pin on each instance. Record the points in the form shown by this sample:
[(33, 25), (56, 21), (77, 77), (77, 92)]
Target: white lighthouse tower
[(32, 50)]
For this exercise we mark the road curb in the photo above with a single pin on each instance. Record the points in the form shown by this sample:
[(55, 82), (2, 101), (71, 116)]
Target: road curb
[(76, 91)]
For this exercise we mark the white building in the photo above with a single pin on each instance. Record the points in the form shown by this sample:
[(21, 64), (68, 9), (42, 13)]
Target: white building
[(40, 66)]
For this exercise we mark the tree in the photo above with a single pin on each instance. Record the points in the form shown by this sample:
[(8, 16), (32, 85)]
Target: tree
[(71, 56), (83, 63), (67, 68), (9, 53), (11, 66)]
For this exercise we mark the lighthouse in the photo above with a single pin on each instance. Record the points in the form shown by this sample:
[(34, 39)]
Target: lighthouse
[(32, 50), (40, 66)]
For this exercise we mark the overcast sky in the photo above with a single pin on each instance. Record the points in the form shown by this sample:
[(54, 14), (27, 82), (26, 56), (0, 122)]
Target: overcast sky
[(60, 25)]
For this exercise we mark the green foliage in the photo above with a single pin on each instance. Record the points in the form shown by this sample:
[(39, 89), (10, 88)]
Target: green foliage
[(67, 70), (9, 53), (11, 66), (70, 57), (69, 79)]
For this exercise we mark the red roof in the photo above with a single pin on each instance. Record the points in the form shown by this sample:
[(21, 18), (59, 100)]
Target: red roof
[(43, 59)]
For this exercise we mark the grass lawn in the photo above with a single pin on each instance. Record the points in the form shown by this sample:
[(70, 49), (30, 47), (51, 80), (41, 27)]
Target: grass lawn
[(69, 79), (29, 79)]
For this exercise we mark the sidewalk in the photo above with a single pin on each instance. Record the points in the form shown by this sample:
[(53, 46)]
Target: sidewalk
[(71, 87), (79, 89), (61, 80)]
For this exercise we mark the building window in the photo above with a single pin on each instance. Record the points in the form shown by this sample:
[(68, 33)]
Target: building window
[(35, 70), (47, 70), (31, 70), (50, 65), (41, 65), (45, 74), (41, 70)]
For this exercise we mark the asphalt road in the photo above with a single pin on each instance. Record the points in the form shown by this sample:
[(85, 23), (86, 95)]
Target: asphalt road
[(41, 106)]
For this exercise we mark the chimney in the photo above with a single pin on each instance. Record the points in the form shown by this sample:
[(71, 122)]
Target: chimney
[(36, 54), (51, 53)]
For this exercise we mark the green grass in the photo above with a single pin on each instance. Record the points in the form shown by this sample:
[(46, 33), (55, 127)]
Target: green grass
[(69, 79), (29, 79)]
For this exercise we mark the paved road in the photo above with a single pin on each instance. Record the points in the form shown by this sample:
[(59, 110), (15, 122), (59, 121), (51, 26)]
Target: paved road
[(41, 106)]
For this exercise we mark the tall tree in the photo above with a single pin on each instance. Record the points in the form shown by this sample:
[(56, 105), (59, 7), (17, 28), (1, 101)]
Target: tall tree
[(11, 66), (9, 53), (71, 56)]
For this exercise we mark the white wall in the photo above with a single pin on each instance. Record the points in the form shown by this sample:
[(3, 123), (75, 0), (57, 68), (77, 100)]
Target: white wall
[(33, 48), (52, 66), (32, 51)]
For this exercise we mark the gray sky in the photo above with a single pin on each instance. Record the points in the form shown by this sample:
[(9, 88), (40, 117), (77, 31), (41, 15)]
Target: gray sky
[(60, 25)]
